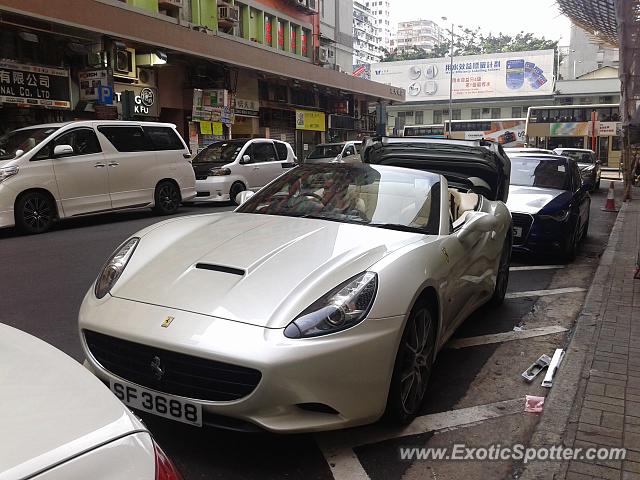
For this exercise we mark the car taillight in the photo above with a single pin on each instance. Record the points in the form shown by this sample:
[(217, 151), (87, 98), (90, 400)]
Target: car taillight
[(165, 470)]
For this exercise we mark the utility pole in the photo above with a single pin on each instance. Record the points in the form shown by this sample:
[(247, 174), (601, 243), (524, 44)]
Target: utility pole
[(450, 79)]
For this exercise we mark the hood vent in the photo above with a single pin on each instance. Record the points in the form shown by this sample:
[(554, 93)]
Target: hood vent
[(220, 268)]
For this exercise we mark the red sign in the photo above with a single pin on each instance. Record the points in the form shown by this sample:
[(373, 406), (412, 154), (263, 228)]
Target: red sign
[(281, 35), (303, 40), (294, 37), (268, 37)]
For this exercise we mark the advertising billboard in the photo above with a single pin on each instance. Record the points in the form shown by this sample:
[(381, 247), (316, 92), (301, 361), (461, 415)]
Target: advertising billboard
[(508, 133), (512, 74)]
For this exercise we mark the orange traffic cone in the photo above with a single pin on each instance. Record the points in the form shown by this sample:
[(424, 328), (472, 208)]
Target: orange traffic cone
[(610, 204)]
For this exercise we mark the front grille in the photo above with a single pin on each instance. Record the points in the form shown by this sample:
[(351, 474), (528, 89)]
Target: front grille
[(184, 375), (524, 221)]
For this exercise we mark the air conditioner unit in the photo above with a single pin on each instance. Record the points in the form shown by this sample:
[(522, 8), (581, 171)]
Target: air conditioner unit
[(146, 77), (228, 13), (323, 54), (124, 63), (302, 3), (313, 5)]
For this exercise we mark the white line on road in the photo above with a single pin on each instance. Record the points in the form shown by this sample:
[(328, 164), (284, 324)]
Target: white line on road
[(505, 337), (535, 267), (337, 447), (542, 293)]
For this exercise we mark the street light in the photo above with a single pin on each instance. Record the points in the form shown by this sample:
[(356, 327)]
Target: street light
[(451, 77), (574, 67)]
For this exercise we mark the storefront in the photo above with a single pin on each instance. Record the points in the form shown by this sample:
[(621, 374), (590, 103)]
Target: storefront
[(212, 118), (31, 94), (310, 131)]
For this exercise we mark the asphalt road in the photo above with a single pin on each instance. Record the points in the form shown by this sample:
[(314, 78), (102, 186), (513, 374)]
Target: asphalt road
[(45, 277)]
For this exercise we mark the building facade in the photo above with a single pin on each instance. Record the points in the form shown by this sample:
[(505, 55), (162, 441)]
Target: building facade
[(366, 36), (381, 10), (422, 34), (336, 33), (216, 70), (587, 53)]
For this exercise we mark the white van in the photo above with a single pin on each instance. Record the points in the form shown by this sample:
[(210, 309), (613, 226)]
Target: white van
[(228, 167), (55, 171)]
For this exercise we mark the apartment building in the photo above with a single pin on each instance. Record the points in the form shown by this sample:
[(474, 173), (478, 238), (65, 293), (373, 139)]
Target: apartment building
[(366, 36), (381, 10), (424, 34)]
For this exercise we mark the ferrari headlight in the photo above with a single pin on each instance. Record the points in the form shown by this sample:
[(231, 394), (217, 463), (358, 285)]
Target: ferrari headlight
[(343, 307), (559, 216), (114, 267)]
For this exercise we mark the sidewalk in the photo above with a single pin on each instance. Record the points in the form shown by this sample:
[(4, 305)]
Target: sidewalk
[(595, 400)]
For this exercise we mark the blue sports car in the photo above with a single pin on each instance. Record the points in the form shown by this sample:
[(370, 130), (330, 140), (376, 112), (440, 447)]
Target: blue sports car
[(549, 203)]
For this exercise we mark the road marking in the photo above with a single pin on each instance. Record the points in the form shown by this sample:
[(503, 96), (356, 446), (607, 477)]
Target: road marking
[(542, 293), (535, 267), (505, 337), (337, 447)]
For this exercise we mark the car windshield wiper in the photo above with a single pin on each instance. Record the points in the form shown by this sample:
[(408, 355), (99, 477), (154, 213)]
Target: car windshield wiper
[(397, 226)]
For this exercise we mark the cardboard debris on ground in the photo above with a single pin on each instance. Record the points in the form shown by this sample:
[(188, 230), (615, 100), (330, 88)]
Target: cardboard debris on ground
[(533, 404)]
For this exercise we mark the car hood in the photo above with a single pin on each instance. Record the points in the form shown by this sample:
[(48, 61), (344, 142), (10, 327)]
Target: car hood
[(52, 407), (255, 269), (530, 199), (481, 166)]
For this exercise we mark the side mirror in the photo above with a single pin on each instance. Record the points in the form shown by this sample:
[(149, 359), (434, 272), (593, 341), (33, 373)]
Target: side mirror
[(19, 153), (246, 159), (62, 150), (477, 223), (244, 196)]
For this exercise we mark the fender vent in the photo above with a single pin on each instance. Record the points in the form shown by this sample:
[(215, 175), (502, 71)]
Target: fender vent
[(220, 268)]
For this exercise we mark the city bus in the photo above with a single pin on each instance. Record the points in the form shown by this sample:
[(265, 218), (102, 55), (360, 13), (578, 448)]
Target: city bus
[(596, 127), (509, 132)]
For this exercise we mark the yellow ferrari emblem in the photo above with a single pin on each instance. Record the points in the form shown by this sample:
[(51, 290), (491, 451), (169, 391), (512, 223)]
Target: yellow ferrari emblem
[(445, 254), (167, 322)]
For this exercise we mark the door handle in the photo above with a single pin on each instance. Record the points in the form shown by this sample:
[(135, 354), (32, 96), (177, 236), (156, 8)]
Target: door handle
[(99, 165), (114, 164)]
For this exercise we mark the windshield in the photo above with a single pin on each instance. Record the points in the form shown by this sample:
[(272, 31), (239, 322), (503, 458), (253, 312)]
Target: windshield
[(534, 172), (220, 152), (25, 140), (580, 157), (326, 151), (378, 196)]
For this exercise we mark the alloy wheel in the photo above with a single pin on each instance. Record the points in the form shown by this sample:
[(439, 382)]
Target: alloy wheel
[(37, 213)]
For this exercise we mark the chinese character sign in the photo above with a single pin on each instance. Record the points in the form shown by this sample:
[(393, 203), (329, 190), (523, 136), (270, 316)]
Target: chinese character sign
[(34, 85), (497, 75)]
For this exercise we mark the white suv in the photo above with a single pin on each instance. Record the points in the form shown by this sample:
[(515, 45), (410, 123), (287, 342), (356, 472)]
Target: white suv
[(63, 170), (226, 168)]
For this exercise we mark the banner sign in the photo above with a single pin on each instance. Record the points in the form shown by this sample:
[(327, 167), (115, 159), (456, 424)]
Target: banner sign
[(146, 100), (498, 75), (34, 85), (570, 129), (508, 134), (91, 81), (246, 107), (308, 120)]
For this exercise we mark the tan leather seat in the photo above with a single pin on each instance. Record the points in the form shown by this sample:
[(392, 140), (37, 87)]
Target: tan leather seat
[(461, 205)]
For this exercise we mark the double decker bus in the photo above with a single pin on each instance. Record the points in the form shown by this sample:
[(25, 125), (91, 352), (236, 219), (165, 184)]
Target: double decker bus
[(595, 127), (509, 132)]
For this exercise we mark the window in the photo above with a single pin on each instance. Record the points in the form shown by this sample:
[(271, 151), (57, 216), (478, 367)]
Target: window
[(495, 113), (419, 119), (437, 116), (263, 152), (282, 150), (456, 114), (606, 99), (475, 113), (616, 144), (164, 138), (126, 139), (349, 151), (516, 112), (82, 140)]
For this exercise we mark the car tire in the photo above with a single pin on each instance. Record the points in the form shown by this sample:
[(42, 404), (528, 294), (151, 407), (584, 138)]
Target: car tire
[(167, 198), (414, 363), (571, 249), (586, 230), (34, 213), (235, 189), (502, 279)]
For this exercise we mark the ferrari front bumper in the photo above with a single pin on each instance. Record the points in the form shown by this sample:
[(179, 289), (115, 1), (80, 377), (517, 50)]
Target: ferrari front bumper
[(324, 383)]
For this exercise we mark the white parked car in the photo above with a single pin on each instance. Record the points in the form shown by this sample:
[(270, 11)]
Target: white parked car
[(320, 303), (63, 170), (343, 152), (226, 168), (59, 422)]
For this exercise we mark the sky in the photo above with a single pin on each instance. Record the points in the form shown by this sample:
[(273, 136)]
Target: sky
[(492, 16)]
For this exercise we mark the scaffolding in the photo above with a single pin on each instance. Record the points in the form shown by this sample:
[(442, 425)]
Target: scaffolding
[(616, 22)]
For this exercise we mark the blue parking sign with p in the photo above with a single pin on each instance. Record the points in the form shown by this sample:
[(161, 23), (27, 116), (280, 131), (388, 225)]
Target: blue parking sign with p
[(105, 94)]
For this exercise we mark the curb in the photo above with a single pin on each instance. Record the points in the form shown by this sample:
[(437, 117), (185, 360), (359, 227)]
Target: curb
[(561, 407)]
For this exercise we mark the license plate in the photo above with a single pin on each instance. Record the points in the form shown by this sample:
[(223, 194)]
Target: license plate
[(160, 404), (517, 232)]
